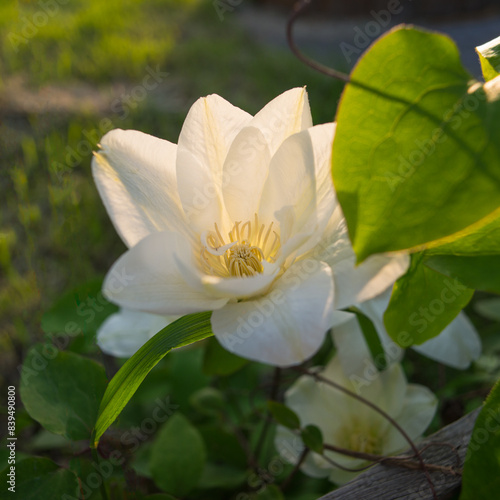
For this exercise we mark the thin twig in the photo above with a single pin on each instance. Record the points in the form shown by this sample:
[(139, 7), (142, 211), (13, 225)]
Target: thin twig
[(289, 478)]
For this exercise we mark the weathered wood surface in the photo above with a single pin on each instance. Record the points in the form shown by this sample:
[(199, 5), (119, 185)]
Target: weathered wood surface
[(382, 482)]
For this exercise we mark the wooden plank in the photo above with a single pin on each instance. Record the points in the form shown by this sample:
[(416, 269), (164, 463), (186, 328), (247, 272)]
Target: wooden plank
[(383, 482)]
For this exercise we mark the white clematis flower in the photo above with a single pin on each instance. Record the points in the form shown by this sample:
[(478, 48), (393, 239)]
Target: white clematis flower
[(348, 423), (457, 345), (239, 218)]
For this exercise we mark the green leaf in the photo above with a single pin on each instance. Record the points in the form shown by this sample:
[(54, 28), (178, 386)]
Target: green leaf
[(423, 303), (482, 462), (489, 56), (222, 445), (39, 478), (313, 438), (416, 155), (80, 311), (184, 331), (270, 492), (372, 340), (284, 415), (208, 401), (481, 272), (219, 361), (484, 240), (178, 457), (62, 390), (160, 496), (222, 476)]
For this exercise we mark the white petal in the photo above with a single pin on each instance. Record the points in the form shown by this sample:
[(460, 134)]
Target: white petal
[(316, 402), (457, 345), (209, 129), (245, 171), (287, 325), (418, 410), (239, 288), (124, 332), (148, 278), (290, 447), (352, 349), (285, 115), (200, 193), (326, 199), (135, 176), (291, 185)]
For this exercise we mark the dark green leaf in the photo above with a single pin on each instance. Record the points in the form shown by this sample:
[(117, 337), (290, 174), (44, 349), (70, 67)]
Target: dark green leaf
[(373, 340), (219, 361), (480, 477), (62, 390), (481, 272), (222, 445), (39, 478), (312, 438), (160, 496), (80, 311), (284, 415), (423, 303), (222, 476), (208, 401), (178, 456), (270, 492), (416, 155), (184, 331)]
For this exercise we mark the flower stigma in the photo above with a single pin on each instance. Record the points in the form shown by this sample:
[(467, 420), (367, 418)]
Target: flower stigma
[(249, 246)]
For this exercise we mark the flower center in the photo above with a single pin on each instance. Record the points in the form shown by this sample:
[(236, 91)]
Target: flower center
[(243, 252), (357, 437)]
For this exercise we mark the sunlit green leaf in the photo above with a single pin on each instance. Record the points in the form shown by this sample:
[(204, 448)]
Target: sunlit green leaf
[(62, 390), (184, 331), (416, 155), (423, 303)]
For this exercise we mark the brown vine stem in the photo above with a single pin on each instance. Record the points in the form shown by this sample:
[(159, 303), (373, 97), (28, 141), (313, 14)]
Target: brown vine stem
[(379, 410), (405, 462), (289, 478), (298, 9)]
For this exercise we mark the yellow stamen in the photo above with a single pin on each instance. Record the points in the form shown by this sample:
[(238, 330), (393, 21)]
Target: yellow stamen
[(244, 254)]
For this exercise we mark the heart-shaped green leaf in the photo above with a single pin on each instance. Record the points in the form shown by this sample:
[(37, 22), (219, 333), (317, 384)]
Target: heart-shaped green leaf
[(416, 155)]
